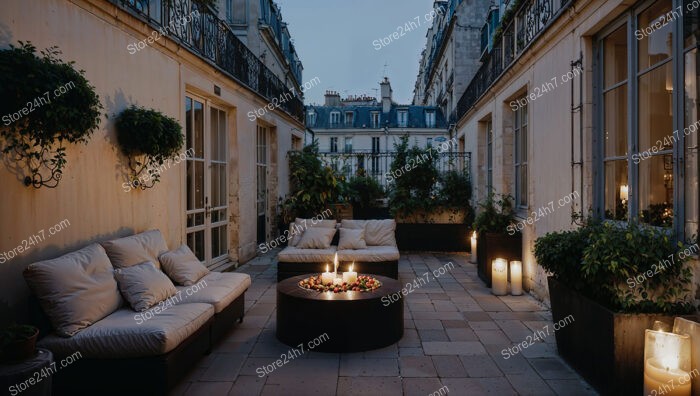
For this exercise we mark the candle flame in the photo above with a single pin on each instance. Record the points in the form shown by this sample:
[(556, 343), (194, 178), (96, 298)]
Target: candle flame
[(335, 263), (352, 265)]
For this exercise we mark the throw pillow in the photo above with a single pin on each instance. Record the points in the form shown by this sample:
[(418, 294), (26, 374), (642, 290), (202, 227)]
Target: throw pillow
[(182, 266), (143, 285), (316, 238), (352, 239)]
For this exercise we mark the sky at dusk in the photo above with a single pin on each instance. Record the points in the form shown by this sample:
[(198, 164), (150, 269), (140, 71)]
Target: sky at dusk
[(335, 40)]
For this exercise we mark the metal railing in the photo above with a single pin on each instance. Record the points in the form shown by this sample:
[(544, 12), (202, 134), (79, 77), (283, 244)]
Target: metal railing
[(378, 164), (210, 38), (531, 19)]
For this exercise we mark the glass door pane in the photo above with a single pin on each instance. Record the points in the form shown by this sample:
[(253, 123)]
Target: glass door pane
[(218, 186), (261, 178), (196, 201)]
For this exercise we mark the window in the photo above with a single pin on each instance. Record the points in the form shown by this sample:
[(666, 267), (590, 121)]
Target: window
[(489, 156), (348, 144), (349, 117), (334, 145), (376, 118), (237, 12), (429, 142), (640, 161), (430, 118), (375, 158), (311, 118), (520, 157), (375, 144), (402, 118), (335, 118)]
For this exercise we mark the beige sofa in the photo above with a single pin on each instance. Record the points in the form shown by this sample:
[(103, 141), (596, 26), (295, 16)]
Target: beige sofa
[(153, 349), (380, 257)]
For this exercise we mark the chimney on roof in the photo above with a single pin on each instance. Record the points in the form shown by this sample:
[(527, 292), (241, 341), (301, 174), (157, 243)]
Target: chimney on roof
[(386, 95), (332, 98)]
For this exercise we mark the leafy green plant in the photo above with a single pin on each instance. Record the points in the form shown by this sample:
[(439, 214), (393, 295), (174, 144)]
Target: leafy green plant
[(364, 191), (628, 268), (15, 333), (148, 138), (496, 215), (50, 104), (313, 185)]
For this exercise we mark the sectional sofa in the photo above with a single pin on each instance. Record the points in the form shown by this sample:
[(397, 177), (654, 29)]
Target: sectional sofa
[(369, 244), (87, 301)]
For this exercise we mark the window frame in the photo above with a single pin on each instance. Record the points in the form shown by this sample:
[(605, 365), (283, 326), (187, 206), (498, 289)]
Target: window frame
[(399, 122), (430, 119), (630, 19), (334, 115), (378, 124), (520, 156), (347, 142), (333, 144), (349, 121)]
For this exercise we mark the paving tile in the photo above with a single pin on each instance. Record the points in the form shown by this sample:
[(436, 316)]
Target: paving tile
[(225, 367), (449, 367), (378, 367), (571, 388), (247, 385), (515, 364), (553, 368), (529, 385), (477, 317), (421, 386), (488, 337), (453, 348), (485, 325), (428, 324), (359, 386), (454, 324), (413, 351), (417, 366), (410, 339), (433, 335), (208, 388), (478, 366), (392, 351), (461, 334), (438, 315)]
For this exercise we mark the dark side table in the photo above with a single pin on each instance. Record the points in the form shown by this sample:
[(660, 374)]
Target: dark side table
[(31, 377)]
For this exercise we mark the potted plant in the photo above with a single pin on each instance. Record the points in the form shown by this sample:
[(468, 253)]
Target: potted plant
[(615, 281), (432, 209), (18, 342), (496, 236)]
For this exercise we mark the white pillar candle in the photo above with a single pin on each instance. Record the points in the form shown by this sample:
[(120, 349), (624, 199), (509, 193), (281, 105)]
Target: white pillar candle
[(473, 256), (691, 328), (327, 277), (499, 277), (659, 379), (516, 278), (337, 281), (349, 276), (667, 364)]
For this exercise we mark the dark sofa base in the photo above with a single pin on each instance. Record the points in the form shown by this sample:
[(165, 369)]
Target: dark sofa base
[(154, 375), (385, 268)]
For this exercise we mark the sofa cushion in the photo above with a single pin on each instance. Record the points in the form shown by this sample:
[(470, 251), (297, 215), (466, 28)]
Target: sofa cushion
[(76, 289), (372, 254), (316, 238), (125, 333), (136, 249), (296, 255), (218, 289), (182, 266), (296, 229), (352, 239), (377, 232), (144, 285)]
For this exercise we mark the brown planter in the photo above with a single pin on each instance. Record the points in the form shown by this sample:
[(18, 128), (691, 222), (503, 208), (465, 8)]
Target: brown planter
[(20, 350), (490, 246), (605, 347), (437, 231)]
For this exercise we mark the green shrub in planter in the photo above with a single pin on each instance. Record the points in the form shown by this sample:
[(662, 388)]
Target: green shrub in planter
[(496, 215), (602, 261), (148, 138), (364, 191)]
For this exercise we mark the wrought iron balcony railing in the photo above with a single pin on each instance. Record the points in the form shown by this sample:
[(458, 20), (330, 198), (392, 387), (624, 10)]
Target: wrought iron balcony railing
[(198, 29), (518, 33)]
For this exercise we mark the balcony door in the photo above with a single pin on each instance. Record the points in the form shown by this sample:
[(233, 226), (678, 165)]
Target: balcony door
[(207, 181), (261, 173)]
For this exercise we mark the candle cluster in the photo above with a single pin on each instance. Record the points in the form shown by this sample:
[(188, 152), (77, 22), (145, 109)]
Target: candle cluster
[(670, 363), (499, 277), (361, 283)]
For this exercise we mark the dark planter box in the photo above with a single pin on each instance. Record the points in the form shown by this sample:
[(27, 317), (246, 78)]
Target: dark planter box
[(370, 213), (433, 237), (605, 347), (492, 246)]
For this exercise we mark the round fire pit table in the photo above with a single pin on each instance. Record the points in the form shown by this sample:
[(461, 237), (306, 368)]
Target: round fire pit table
[(354, 321)]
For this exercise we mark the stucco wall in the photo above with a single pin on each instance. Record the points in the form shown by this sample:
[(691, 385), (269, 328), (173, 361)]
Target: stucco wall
[(95, 35)]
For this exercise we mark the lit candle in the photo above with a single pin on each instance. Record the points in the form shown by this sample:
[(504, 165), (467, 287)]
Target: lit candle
[(327, 277), (473, 255), (685, 326), (350, 276), (667, 364), (499, 277), (624, 192), (516, 278)]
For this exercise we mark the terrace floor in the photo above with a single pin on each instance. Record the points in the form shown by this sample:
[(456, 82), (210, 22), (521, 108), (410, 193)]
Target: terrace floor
[(455, 332)]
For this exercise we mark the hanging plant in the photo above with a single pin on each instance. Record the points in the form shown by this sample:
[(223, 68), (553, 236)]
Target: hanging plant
[(148, 138), (50, 105)]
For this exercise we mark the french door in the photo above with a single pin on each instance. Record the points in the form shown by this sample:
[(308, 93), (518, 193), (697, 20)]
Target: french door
[(207, 181)]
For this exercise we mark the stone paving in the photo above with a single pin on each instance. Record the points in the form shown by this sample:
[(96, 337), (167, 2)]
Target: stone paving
[(455, 335)]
